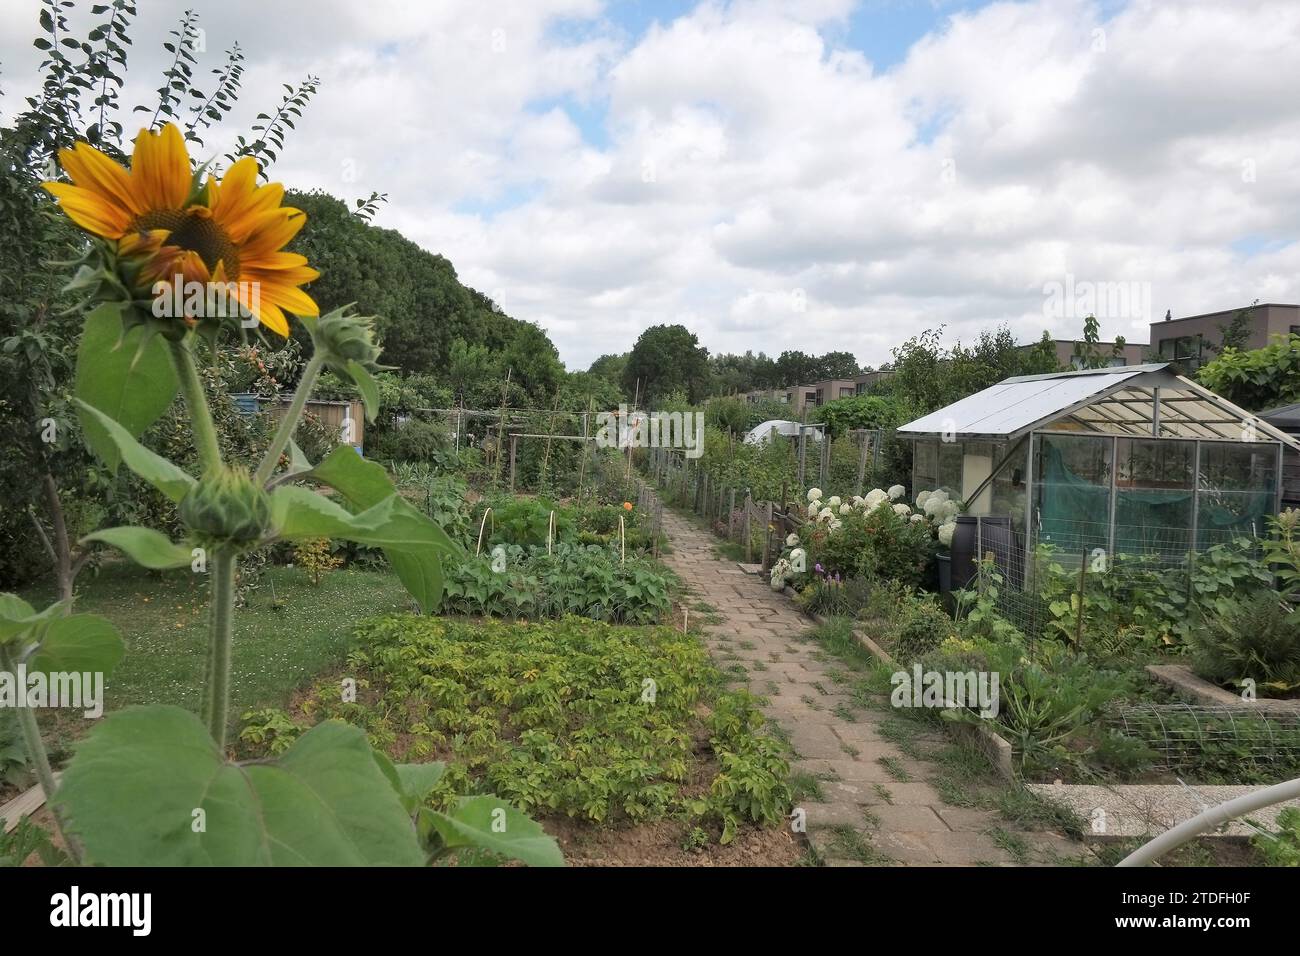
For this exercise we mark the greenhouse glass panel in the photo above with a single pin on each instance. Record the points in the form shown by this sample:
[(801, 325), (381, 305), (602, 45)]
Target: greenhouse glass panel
[(950, 467), (1237, 490), (937, 464), (925, 466), (1072, 490), (1009, 483), (1154, 507)]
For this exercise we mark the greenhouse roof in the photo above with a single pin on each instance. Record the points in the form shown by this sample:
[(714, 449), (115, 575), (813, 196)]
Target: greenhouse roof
[(1137, 400)]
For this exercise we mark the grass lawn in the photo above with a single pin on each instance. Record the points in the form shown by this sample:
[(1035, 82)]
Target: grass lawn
[(163, 621)]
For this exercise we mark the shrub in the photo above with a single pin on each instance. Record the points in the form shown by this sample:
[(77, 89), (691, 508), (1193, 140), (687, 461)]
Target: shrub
[(418, 439), (1257, 639), (876, 544), (316, 558), (921, 626)]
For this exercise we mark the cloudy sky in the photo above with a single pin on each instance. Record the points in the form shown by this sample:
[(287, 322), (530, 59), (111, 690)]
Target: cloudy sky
[(811, 174)]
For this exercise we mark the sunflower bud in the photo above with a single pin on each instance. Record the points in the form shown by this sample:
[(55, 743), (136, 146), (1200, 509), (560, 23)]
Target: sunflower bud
[(343, 338), (226, 509)]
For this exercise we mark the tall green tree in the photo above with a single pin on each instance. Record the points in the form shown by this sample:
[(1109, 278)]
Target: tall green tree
[(666, 358)]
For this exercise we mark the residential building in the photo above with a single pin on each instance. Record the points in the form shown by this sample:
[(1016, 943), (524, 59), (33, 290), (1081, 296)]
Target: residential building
[(864, 382), (1193, 340)]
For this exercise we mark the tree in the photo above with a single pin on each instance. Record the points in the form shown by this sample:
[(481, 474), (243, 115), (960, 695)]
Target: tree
[(666, 358), (927, 376), (610, 368), (1257, 379), (1086, 353), (837, 365), (1236, 333)]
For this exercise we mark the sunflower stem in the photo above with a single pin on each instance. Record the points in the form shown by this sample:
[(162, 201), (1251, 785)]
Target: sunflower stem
[(290, 421), (220, 642), (38, 755), (205, 431)]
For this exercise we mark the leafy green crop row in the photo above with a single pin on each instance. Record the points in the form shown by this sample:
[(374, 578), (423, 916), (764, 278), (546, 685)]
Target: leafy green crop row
[(574, 717), (590, 581)]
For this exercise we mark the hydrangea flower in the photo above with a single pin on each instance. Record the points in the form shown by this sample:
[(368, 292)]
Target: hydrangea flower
[(823, 514), (814, 494), (846, 509), (922, 498), (896, 492), (946, 532), (902, 509), (834, 501), (791, 540)]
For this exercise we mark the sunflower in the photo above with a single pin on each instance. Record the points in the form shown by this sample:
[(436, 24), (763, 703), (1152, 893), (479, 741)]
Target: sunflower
[(233, 233)]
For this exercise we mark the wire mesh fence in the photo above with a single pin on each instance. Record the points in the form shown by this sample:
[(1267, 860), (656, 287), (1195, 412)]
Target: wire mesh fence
[(1066, 582), (1188, 738)]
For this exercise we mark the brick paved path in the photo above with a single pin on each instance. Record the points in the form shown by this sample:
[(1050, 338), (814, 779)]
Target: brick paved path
[(879, 805)]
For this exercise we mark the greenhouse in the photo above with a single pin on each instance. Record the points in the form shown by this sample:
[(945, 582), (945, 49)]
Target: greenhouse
[(1134, 460)]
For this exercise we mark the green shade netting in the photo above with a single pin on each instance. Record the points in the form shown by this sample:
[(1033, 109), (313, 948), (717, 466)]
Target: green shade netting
[(1074, 513)]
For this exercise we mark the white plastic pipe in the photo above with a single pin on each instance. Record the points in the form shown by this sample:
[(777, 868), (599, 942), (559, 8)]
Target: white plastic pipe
[(1211, 819)]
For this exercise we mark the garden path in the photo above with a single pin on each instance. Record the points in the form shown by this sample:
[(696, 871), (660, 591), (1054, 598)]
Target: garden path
[(878, 805)]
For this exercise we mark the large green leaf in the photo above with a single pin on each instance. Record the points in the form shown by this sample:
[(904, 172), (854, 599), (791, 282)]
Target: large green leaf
[(411, 541), (365, 384), (133, 788), (487, 823), (365, 484), (145, 546), (17, 616), (417, 781), (153, 468), (128, 377), (84, 643)]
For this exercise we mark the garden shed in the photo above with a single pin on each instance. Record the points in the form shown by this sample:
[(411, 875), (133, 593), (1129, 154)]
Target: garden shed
[(1133, 460)]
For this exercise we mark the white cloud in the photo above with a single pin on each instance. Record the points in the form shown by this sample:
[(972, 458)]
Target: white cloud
[(748, 163)]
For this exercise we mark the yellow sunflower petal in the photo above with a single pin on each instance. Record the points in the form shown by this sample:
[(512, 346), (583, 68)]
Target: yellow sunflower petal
[(91, 169), (273, 234), (89, 210), (271, 316), (160, 168), (289, 297), (278, 277), (278, 260)]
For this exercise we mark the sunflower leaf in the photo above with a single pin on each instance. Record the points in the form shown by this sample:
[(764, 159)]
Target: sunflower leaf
[(365, 384), (488, 823), (145, 546), (414, 544), (153, 468), (141, 779), (126, 375)]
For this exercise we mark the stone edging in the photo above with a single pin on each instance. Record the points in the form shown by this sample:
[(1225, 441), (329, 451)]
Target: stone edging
[(1181, 678)]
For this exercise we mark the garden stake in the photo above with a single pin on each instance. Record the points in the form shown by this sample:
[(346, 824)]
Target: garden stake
[(479, 547), (1083, 580)]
